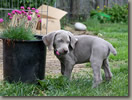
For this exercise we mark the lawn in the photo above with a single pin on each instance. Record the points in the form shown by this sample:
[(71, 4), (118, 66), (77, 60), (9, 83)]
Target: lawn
[(81, 84)]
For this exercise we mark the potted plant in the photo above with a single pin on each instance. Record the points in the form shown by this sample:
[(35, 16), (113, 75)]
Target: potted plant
[(24, 53)]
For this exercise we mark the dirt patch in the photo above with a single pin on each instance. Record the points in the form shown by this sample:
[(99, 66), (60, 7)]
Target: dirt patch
[(71, 29)]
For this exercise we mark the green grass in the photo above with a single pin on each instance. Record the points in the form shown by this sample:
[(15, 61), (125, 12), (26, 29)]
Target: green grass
[(18, 33), (81, 83), (96, 27), (19, 89)]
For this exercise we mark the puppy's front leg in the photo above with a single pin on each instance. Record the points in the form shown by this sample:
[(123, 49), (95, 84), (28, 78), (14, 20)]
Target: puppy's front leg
[(68, 69), (62, 68)]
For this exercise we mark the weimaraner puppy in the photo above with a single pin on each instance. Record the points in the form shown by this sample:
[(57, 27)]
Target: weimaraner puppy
[(71, 50)]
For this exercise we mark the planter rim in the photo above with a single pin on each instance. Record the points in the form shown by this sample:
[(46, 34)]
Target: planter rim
[(39, 39)]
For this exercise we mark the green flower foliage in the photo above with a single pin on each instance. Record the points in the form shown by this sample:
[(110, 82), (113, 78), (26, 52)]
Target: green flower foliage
[(18, 33)]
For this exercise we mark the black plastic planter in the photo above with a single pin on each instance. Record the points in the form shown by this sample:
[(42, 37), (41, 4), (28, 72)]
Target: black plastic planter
[(24, 60)]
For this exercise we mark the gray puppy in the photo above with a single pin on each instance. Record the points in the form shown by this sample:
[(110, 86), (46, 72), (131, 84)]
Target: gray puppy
[(71, 50)]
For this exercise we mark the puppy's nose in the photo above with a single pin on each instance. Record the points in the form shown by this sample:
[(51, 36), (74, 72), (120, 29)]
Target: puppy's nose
[(65, 51)]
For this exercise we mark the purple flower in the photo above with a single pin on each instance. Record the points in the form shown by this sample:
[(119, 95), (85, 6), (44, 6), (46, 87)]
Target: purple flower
[(22, 7), (1, 20), (36, 11), (29, 18), (33, 8)]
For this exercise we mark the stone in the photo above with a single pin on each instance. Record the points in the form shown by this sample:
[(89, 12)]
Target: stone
[(80, 27)]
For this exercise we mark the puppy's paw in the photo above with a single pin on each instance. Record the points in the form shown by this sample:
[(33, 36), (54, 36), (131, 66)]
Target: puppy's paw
[(108, 78), (95, 84)]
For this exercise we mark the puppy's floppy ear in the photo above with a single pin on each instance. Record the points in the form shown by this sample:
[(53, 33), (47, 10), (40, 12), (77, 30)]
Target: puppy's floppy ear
[(48, 39), (73, 40)]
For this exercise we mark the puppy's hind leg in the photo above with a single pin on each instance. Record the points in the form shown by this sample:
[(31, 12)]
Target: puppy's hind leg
[(108, 74)]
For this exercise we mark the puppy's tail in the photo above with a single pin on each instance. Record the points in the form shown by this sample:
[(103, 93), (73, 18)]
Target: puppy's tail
[(112, 49)]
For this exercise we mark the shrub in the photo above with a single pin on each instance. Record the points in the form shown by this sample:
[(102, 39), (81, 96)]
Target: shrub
[(118, 13), (115, 14), (101, 16)]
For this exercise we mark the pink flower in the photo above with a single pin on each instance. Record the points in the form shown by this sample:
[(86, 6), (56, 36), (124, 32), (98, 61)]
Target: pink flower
[(13, 12), (57, 53), (28, 8), (1, 20), (38, 16), (29, 18), (10, 17), (22, 7), (19, 12), (40, 20), (23, 11), (16, 11), (36, 11), (30, 13), (25, 14), (33, 8), (9, 14)]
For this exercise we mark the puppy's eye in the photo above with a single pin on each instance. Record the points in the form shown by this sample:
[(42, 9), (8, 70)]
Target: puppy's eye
[(68, 42), (60, 40)]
